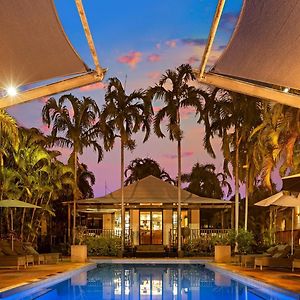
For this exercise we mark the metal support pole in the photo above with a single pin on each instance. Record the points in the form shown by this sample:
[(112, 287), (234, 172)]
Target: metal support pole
[(89, 37), (211, 37)]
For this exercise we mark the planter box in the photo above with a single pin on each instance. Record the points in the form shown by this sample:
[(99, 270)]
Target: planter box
[(222, 254), (78, 253)]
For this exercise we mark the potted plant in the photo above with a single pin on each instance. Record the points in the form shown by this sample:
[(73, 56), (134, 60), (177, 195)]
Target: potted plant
[(222, 245), (79, 252)]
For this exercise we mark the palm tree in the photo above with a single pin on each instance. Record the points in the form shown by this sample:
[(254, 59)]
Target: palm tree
[(74, 127), (125, 115), (140, 168), (86, 179), (278, 141), (205, 182), (232, 117), (175, 92)]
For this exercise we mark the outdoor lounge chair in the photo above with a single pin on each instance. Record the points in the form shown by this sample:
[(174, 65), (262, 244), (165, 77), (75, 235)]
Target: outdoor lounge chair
[(249, 259), (5, 248), (12, 261), (280, 259), (47, 258), (296, 260), (22, 250)]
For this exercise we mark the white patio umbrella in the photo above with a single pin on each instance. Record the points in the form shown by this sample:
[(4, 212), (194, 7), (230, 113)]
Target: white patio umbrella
[(12, 204), (286, 201)]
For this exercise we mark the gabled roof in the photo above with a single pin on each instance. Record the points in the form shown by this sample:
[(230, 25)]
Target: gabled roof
[(153, 190)]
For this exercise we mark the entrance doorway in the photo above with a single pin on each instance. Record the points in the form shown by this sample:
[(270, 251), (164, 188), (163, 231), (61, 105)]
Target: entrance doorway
[(151, 228)]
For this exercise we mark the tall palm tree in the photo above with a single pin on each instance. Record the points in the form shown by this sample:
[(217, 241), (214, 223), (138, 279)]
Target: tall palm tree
[(175, 92), (278, 141), (232, 117), (140, 168), (73, 126), (125, 115), (205, 182)]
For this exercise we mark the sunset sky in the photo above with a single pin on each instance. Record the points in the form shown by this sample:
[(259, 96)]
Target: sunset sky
[(141, 39)]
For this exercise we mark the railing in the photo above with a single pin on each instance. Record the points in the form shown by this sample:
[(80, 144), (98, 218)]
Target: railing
[(284, 237), (110, 233), (192, 234)]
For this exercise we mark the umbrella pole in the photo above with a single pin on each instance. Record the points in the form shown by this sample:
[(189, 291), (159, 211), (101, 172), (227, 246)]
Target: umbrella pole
[(292, 233)]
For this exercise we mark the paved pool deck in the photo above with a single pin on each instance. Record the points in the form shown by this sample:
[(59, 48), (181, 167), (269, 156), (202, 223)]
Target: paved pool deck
[(11, 278)]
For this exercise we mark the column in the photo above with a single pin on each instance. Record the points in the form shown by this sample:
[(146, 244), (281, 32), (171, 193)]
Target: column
[(167, 225), (135, 225)]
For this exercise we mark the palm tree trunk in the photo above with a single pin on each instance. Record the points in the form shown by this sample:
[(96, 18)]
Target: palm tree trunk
[(179, 197), (122, 199), (247, 192), (74, 197), (179, 187), (236, 181)]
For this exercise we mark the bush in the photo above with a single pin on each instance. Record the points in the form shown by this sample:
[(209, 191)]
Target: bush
[(197, 247), (245, 240), (103, 246)]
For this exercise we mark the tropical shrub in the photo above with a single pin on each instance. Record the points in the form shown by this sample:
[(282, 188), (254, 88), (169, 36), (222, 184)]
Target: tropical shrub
[(197, 247), (245, 241), (103, 246)]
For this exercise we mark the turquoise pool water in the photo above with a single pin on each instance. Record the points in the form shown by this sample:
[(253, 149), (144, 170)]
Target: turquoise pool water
[(153, 282)]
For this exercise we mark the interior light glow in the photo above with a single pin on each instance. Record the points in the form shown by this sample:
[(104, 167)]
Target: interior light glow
[(11, 91)]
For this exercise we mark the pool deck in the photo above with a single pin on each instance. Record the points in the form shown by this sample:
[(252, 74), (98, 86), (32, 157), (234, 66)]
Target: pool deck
[(11, 278)]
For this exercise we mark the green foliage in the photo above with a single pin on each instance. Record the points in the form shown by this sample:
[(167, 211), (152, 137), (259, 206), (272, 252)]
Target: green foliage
[(245, 240), (224, 239), (103, 246), (197, 247)]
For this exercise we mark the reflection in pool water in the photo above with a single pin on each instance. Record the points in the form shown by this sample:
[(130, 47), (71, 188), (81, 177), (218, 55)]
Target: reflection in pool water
[(153, 282)]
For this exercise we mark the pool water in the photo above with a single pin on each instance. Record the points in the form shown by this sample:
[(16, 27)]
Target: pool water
[(153, 282)]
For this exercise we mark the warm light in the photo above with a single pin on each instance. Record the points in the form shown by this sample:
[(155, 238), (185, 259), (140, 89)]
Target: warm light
[(11, 91), (286, 90)]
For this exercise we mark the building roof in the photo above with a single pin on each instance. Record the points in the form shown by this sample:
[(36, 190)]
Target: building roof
[(152, 190)]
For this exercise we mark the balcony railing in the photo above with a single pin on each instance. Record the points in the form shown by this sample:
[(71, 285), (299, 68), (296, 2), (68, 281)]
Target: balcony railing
[(192, 234), (110, 233)]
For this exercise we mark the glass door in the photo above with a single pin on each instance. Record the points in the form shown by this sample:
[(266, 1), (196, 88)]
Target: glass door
[(157, 238), (145, 227), (151, 228)]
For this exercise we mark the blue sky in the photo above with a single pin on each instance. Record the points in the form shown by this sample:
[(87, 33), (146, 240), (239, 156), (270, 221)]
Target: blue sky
[(140, 40)]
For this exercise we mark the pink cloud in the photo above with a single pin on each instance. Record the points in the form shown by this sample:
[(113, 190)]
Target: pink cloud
[(131, 59), (183, 155), (171, 43), (153, 75), (192, 60), (92, 87), (157, 46), (44, 99), (153, 57), (187, 153), (187, 112)]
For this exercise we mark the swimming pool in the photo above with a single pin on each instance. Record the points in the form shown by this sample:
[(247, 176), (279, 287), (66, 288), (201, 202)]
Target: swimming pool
[(156, 282)]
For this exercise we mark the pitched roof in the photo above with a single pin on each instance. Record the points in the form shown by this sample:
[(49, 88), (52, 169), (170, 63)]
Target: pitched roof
[(153, 190)]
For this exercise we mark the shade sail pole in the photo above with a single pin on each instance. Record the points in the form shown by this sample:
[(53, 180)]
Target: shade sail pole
[(211, 37), (50, 89), (89, 37)]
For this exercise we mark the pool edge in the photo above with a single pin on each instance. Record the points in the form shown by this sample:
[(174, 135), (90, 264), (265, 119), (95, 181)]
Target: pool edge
[(11, 291), (252, 282)]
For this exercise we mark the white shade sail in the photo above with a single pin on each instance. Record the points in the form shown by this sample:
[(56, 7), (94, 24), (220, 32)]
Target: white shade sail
[(33, 44), (34, 48), (262, 57), (264, 46)]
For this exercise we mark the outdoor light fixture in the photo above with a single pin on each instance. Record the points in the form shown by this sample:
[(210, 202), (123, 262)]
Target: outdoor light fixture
[(286, 89), (11, 91)]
